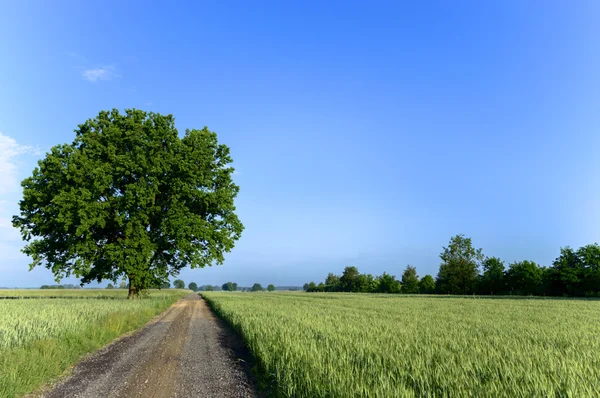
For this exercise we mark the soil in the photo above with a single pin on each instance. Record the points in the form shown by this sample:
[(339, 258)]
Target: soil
[(187, 352)]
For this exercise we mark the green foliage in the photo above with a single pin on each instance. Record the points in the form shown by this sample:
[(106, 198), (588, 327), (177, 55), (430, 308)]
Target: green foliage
[(410, 280), (52, 287), (271, 288), (129, 197), (349, 280), (209, 288), (573, 273), (193, 286), (257, 288), (388, 284), (492, 281), (165, 285), (178, 284), (459, 268), (356, 345), (229, 287), (427, 285), (110, 286), (333, 281), (524, 278), (576, 273)]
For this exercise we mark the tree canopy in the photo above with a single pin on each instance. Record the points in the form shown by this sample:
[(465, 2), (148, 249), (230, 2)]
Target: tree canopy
[(492, 280), (257, 288), (178, 284), (427, 284), (459, 269), (574, 273), (410, 280), (271, 288), (193, 286), (129, 197)]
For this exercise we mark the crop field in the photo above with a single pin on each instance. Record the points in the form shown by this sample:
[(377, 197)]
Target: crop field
[(83, 293), (343, 345), (40, 338), (91, 293)]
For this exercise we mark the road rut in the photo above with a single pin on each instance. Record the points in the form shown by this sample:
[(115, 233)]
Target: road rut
[(187, 352)]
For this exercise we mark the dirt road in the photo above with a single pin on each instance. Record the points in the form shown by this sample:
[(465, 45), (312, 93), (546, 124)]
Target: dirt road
[(187, 352)]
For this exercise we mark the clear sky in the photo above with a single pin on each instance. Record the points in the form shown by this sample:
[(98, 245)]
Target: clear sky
[(363, 133)]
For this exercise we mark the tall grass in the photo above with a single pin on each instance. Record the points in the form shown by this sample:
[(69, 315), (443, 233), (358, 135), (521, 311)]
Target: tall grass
[(41, 338), (352, 345)]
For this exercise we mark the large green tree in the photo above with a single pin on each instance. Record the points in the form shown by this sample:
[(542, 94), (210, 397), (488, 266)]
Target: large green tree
[(178, 284), (459, 268), (349, 279), (525, 278), (333, 282), (492, 281), (410, 280), (388, 284), (427, 284), (129, 197), (257, 287), (229, 287)]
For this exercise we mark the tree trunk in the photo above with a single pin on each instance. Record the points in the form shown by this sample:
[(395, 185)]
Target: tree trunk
[(133, 292)]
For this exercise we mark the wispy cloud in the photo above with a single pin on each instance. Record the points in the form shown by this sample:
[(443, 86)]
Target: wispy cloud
[(95, 74), (10, 153)]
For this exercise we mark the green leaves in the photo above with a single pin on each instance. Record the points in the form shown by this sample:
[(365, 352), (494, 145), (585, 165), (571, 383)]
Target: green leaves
[(459, 269), (130, 198)]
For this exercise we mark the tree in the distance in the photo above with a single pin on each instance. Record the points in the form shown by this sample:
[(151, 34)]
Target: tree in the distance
[(179, 284), (110, 286), (193, 286), (410, 280), (525, 278), (209, 288), (333, 282), (349, 279), (388, 284), (229, 287), (459, 268), (427, 285), (129, 197), (257, 287), (492, 281), (271, 288)]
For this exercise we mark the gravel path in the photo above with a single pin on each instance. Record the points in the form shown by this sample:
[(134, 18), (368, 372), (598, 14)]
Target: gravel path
[(187, 352)]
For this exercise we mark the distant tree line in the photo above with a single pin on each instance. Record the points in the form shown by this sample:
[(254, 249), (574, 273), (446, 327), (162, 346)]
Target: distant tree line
[(465, 270), (67, 286)]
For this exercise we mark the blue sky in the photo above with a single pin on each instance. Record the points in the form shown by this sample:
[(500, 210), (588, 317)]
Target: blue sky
[(363, 133)]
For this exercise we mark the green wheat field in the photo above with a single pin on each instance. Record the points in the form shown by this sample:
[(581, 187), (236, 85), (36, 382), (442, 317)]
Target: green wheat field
[(342, 345)]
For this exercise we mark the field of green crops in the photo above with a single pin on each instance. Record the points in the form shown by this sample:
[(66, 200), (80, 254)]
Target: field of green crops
[(40, 338), (353, 345), (91, 293)]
